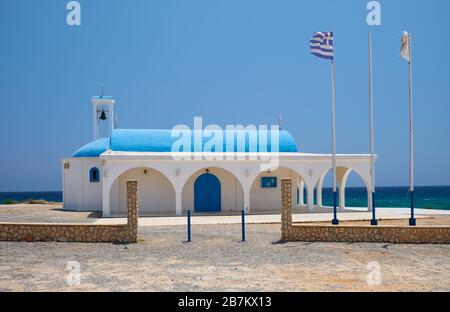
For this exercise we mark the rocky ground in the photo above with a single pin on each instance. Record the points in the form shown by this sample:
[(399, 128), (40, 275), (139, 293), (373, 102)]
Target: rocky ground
[(216, 259), (49, 213)]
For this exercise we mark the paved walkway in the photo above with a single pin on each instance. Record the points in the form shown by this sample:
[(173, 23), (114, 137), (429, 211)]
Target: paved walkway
[(348, 215)]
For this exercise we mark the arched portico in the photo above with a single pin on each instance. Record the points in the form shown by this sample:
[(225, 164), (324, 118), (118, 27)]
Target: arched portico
[(112, 170), (342, 174), (156, 193), (310, 169), (341, 180)]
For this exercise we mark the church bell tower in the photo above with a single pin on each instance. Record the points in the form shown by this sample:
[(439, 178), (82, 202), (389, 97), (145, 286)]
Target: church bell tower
[(103, 116)]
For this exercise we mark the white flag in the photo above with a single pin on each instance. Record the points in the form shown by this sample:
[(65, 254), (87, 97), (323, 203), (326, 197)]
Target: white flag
[(405, 42)]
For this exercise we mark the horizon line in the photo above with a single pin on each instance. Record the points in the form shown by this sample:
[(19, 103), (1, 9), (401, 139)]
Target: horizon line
[(325, 187)]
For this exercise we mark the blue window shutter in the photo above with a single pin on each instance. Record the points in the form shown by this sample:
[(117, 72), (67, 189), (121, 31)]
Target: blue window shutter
[(94, 175)]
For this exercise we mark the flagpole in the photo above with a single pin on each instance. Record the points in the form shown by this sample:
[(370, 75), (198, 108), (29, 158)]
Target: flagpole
[(412, 220), (335, 220), (372, 140), (322, 46)]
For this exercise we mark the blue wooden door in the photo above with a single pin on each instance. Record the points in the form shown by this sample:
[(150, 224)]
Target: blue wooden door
[(207, 193)]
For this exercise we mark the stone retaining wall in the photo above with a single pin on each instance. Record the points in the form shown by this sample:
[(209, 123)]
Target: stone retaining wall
[(378, 234), (354, 233), (34, 232), (28, 232)]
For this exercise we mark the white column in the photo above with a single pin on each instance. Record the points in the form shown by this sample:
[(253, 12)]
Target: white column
[(178, 201), (342, 176), (319, 192), (94, 122), (247, 199), (342, 195), (369, 199), (111, 121), (310, 198), (105, 198), (302, 188)]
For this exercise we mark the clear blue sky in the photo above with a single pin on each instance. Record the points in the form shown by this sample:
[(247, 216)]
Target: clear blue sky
[(228, 61)]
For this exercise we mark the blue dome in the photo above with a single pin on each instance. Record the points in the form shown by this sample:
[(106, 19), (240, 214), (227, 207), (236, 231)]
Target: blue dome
[(93, 149), (161, 140)]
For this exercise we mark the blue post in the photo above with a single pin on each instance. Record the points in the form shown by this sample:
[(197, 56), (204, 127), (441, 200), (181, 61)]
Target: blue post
[(374, 219), (335, 220), (412, 220), (243, 225), (189, 225)]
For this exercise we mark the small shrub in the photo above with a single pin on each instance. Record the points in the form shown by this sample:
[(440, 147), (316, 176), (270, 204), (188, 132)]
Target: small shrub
[(9, 201), (37, 202)]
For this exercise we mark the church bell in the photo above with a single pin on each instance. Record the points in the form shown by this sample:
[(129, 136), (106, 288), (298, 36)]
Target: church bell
[(103, 116)]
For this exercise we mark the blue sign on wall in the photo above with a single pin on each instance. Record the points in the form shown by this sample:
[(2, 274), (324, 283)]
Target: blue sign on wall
[(269, 182)]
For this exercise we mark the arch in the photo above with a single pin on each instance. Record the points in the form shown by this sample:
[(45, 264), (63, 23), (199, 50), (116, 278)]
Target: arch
[(342, 175), (265, 199), (156, 192), (207, 193), (232, 194), (94, 175), (112, 171)]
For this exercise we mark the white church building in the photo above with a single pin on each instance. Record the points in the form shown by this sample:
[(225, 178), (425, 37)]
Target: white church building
[(203, 181)]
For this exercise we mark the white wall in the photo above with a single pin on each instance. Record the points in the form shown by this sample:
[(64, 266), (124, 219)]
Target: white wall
[(79, 192), (270, 198), (72, 184), (232, 195), (156, 194), (92, 191)]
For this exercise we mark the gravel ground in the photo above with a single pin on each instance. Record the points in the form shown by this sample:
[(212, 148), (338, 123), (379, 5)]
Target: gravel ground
[(52, 213), (217, 260)]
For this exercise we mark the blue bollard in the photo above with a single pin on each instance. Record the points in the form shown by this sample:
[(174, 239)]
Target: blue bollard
[(412, 220), (243, 225), (189, 225), (374, 219), (335, 220)]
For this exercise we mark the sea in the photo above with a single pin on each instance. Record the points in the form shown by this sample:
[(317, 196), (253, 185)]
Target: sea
[(430, 197)]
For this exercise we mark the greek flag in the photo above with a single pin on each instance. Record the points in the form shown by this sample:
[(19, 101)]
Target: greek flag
[(322, 45)]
